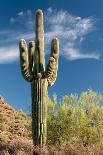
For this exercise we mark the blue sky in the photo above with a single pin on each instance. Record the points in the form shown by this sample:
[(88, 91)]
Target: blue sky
[(79, 27)]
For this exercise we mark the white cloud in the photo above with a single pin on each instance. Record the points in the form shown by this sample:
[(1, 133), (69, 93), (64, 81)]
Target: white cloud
[(23, 20), (71, 31), (8, 54), (74, 54), (20, 13)]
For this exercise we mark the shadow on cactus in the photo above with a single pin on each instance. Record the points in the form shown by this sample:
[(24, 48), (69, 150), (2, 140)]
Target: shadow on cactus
[(32, 63)]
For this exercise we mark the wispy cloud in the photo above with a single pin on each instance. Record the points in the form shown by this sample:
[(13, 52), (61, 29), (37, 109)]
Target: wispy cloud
[(65, 25), (20, 13), (74, 54), (71, 31), (23, 20), (8, 54)]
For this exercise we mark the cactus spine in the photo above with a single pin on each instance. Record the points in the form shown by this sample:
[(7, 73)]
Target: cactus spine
[(32, 64)]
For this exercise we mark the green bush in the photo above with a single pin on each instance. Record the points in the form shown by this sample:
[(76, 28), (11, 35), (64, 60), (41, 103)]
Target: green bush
[(76, 120)]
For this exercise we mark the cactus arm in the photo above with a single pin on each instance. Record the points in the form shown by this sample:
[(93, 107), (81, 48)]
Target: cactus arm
[(40, 41), (52, 67), (31, 56), (24, 61)]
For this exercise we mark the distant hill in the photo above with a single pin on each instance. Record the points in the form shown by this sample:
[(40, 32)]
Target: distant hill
[(13, 123)]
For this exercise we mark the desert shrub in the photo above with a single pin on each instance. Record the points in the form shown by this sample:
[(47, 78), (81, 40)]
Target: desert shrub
[(21, 146), (13, 123), (76, 120), (4, 137)]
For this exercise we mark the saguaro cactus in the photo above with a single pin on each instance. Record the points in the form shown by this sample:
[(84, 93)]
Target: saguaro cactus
[(33, 69)]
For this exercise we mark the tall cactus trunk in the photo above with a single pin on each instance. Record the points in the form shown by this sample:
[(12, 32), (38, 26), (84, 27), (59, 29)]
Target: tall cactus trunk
[(39, 111), (33, 69)]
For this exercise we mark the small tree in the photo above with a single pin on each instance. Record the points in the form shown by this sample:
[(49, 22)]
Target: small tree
[(76, 120)]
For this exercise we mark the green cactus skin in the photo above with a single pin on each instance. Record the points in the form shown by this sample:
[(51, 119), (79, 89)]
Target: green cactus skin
[(32, 64)]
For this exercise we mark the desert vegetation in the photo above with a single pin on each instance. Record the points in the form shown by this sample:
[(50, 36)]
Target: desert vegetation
[(13, 123), (75, 127)]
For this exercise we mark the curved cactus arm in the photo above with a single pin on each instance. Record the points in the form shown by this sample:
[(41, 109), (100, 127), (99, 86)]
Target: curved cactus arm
[(52, 67), (24, 61), (31, 56)]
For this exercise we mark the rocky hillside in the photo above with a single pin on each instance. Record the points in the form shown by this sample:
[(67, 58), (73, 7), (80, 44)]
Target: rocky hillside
[(13, 123)]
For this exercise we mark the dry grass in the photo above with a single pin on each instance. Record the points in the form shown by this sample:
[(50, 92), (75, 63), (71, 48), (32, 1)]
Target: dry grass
[(22, 146), (13, 123)]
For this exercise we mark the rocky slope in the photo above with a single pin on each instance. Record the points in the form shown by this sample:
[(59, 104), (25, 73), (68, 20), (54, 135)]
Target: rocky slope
[(13, 123)]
